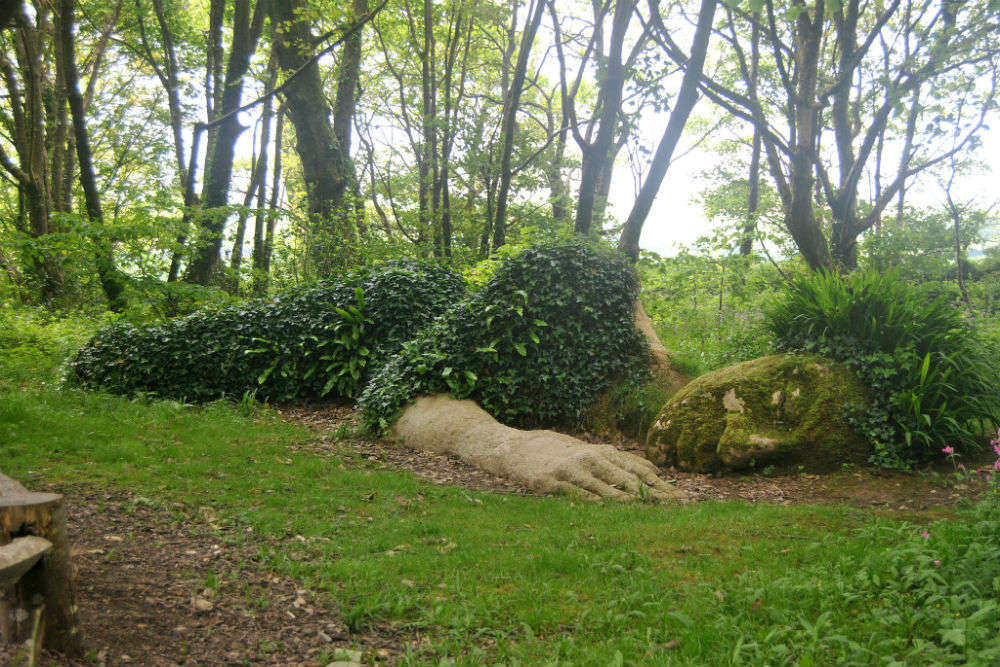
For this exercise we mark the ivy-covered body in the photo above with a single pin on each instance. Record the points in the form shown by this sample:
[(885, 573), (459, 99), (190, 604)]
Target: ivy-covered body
[(781, 408), (550, 331), (322, 340)]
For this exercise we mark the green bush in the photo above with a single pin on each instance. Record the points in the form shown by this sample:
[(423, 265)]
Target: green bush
[(551, 330), (932, 381), (317, 341)]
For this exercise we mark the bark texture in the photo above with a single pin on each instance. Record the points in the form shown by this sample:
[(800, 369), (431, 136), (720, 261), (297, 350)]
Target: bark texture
[(48, 585), (323, 158)]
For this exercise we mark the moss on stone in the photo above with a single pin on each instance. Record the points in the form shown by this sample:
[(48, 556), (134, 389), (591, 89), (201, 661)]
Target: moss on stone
[(782, 408)]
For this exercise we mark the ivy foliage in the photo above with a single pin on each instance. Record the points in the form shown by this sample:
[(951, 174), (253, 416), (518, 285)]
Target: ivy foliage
[(544, 336), (323, 340), (932, 381)]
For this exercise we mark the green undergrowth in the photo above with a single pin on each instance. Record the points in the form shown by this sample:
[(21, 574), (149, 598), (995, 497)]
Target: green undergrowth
[(504, 579), (35, 343)]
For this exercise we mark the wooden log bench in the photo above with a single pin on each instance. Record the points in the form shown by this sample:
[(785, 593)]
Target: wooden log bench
[(36, 576)]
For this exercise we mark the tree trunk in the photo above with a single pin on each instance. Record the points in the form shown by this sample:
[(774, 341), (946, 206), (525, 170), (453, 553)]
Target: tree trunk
[(347, 84), (321, 155), (47, 587), (753, 182), (260, 215), (686, 99), (27, 110), (258, 174), (219, 170), (111, 280), (598, 154), (799, 216), (558, 192), (262, 253), (512, 104)]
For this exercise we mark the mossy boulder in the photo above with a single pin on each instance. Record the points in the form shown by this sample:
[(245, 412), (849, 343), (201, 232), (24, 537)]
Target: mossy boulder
[(780, 409)]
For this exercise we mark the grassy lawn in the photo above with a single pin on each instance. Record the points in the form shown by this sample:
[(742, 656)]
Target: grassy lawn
[(486, 578)]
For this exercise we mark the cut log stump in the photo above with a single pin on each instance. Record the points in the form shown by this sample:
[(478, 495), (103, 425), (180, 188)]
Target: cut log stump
[(35, 569)]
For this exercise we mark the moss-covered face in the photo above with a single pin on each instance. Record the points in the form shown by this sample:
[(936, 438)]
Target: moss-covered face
[(778, 409)]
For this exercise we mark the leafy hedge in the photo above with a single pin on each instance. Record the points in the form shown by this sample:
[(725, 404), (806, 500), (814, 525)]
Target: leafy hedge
[(321, 340), (932, 380), (553, 328)]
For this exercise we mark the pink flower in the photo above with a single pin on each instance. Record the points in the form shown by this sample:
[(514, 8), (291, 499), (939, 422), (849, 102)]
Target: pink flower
[(938, 563), (925, 535), (948, 450), (996, 464), (961, 466)]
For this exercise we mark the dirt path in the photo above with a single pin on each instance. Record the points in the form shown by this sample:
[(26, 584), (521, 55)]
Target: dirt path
[(156, 590)]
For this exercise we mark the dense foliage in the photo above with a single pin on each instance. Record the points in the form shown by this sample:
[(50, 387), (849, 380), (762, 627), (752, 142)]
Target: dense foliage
[(551, 329), (317, 341), (933, 384)]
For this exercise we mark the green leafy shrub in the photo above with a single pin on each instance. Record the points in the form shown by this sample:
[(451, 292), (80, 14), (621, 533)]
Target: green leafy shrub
[(931, 378), (317, 341), (551, 330)]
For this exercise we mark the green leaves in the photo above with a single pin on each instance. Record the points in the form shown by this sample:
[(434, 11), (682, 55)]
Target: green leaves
[(550, 331), (321, 340), (931, 380)]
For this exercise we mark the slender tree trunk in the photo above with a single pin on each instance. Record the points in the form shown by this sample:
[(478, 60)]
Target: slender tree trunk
[(219, 169), (753, 182), (956, 217), (597, 154), (111, 280), (347, 84), (686, 99), (512, 104), (262, 257), (260, 215), (185, 170), (258, 174), (911, 131), (558, 192)]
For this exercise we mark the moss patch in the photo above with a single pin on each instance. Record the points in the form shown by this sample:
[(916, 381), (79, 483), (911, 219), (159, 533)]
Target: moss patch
[(782, 408)]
